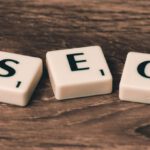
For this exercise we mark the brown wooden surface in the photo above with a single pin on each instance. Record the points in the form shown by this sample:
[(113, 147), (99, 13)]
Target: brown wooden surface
[(34, 27)]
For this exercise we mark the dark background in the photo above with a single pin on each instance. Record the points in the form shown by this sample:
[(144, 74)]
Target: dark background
[(33, 27)]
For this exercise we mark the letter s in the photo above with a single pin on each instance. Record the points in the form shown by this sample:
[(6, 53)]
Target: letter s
[(9, 69)]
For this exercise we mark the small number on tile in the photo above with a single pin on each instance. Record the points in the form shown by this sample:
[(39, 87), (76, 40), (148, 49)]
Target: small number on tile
[(18, 84), (102, 72)]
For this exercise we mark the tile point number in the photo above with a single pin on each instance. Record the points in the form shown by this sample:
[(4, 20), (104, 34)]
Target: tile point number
[(18, 84), (102, 72)]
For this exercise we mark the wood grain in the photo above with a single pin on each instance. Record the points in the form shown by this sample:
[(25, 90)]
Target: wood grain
[(33, 27)]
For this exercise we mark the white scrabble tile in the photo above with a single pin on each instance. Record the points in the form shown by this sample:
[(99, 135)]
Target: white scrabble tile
[(79, 72), (135, 81), (19, 76)]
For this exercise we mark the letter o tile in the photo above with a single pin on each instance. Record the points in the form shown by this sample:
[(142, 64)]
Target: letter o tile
[(135, 80)]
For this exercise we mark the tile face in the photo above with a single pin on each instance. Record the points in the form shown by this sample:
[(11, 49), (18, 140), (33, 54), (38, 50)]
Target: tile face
[(79, 72), (135, 81), (19, 76)]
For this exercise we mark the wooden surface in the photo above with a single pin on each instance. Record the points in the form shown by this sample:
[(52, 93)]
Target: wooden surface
[(33, 27)]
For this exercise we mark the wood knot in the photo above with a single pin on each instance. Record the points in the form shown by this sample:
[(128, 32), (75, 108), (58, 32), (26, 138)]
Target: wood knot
[(144, 130)]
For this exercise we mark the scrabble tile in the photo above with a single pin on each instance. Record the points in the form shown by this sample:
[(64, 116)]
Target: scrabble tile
[(135, 81), (19, 76), (79, 72)]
